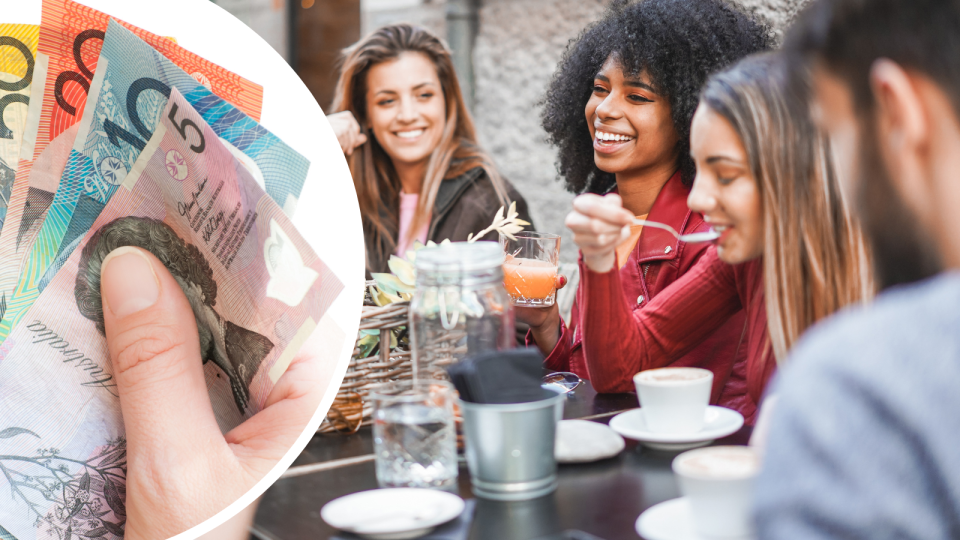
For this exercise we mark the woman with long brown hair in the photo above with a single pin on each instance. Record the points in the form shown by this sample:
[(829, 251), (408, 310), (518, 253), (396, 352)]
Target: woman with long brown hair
[(789, 252), (411, 145)]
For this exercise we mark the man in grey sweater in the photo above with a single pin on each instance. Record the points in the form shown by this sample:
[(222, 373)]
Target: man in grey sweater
[(864, 440)]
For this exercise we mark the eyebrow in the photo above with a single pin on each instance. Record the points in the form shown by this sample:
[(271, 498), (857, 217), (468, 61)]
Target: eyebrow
[(417, 87), (715, 159), (631, 83)]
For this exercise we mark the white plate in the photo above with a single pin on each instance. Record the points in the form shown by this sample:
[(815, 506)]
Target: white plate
[(583, 441), (670, 520), (719, 422), (392, 514)]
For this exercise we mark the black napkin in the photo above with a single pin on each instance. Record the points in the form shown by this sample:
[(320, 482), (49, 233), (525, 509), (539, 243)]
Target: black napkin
[(511, 376)]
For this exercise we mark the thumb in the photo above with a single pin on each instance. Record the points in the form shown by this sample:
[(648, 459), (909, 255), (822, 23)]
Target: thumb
[(155, 350)]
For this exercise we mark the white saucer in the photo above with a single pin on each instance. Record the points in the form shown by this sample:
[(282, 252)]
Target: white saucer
[(582, 441), (392, 514), (719, 422), (670, 520)]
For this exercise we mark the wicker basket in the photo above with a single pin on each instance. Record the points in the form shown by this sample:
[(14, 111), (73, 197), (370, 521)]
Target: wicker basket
[(352, 408)]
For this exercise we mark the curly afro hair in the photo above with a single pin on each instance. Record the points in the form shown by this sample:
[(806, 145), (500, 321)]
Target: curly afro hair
[(679, 43)]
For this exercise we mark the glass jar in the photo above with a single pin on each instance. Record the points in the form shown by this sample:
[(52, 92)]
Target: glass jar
[(460, 307)]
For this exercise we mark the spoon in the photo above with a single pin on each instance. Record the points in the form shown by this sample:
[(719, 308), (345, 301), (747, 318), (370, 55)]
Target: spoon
[(561, 380), (706, 236)]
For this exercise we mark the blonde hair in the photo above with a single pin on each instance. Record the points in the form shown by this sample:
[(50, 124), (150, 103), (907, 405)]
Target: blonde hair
[(815, 258), (374, 177)]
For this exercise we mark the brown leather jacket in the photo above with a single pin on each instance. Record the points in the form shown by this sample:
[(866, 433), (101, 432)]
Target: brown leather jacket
[(465, 204)]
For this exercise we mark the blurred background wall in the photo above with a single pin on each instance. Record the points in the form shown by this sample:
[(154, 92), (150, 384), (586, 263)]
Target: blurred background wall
[(505, 52)]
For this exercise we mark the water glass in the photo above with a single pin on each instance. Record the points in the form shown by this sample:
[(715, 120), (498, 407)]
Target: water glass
[(530, 268), (415, 441)]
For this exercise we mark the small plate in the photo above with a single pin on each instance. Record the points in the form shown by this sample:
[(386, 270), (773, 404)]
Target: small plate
[(670, 520), (719, 422), (583, 441), (392, 514)]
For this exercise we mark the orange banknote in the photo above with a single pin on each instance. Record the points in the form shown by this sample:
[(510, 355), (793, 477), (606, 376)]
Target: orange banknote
[(71, 37)]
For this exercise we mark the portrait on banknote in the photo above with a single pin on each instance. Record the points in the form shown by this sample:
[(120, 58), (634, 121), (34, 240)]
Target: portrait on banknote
[(238, 352)]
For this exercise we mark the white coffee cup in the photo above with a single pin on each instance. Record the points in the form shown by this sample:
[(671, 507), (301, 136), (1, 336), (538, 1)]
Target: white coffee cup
[(718, 481), (674, 400)]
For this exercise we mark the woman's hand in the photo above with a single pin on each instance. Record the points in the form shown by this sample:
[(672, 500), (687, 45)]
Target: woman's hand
[(347, 129), (181, 470), (544, 322), (599, 225)]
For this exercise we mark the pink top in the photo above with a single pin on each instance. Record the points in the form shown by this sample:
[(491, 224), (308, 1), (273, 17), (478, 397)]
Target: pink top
[(408, 209)]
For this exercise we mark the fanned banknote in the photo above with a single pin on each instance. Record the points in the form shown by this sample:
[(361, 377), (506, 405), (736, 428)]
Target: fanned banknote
[(257, 291), (18, 53), (71, 36), (127, 64)]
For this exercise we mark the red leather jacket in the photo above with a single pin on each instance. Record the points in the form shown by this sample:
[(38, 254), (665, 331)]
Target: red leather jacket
[(657, 261)]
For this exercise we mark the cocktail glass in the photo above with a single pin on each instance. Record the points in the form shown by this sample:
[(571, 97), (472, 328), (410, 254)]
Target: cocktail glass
[(530, 268)]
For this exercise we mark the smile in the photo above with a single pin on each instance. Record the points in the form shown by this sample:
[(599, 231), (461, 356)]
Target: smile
[(412, 134), (605, 142)]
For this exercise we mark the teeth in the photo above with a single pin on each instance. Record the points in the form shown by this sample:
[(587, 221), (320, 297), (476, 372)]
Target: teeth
[(604, 136), (410, 134)]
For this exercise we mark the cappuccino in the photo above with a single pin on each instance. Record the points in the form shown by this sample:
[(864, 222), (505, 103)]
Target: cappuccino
[(720, 462), (674, 400), (673, 374), (718, 482)]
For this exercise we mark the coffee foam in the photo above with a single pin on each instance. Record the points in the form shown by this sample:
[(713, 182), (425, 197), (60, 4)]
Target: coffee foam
[(719, 462), (673, 375)]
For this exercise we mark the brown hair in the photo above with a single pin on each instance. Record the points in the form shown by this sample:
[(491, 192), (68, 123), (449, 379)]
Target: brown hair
[(815, 259), (374, 178)]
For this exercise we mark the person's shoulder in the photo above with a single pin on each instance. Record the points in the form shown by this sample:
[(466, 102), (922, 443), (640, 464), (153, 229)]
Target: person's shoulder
[(880, 342)]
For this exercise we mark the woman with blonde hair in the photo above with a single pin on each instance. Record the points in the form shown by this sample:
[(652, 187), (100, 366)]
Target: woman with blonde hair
[(411, 145), (789, 252)]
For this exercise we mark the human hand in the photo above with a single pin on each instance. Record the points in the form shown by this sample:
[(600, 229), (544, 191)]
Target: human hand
[(180, 469), (599, 225), (544, 322), (347, 129)]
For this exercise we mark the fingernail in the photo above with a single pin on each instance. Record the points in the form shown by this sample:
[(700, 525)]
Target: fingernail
[(127, 282), (563, 281)]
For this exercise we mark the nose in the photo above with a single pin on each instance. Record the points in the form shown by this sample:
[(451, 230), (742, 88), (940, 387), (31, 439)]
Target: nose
[(609, 109), (703, 197), (408, 110)]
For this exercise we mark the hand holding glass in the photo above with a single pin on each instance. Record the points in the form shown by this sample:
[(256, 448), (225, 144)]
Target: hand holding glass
[(530, 268)]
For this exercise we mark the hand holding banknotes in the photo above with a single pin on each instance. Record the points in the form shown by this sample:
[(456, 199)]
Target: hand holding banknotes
[(181, 469)]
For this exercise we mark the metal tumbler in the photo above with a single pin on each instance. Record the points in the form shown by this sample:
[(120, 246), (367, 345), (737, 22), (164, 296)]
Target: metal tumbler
[(510, 447)]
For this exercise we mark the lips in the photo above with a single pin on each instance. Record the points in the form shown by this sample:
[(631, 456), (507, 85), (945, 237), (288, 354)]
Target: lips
[(724, 231), (607, 142), (409, 134)]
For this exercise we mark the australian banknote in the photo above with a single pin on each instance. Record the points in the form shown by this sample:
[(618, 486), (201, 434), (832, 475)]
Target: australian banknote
[(71, 36), (126, 96), (18, 53), (24, 259), (257, 291)]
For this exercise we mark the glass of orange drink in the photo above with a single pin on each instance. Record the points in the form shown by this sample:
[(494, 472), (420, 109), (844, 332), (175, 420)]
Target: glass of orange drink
[(530, 268)]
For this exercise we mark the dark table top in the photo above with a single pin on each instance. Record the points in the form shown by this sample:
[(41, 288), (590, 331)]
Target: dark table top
[(603, 498)]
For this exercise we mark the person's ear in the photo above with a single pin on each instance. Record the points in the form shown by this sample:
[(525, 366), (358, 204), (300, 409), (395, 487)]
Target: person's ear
[(903, 129)]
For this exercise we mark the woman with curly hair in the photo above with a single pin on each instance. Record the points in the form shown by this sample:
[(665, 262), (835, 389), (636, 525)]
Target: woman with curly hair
[(619, 111), (411, 145), (789, 251)]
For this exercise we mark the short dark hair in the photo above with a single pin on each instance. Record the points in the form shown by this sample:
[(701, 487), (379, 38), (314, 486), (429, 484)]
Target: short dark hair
[(679, 43), (847, 36)]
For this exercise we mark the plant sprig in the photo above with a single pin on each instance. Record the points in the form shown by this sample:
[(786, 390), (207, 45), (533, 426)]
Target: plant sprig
[(507, 226)]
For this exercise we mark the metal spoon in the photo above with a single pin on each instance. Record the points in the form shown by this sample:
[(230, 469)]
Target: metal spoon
[(561, 380), (706, 236)]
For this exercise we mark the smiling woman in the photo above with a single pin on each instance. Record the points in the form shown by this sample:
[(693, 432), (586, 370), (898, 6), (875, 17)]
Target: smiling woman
[(619, 111), (411, 145)]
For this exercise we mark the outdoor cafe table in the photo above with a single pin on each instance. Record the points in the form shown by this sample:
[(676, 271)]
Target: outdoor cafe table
[(603, 498)]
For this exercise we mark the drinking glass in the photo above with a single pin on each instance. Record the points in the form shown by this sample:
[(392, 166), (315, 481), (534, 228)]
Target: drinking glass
[(415, 441), (530, 268)]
